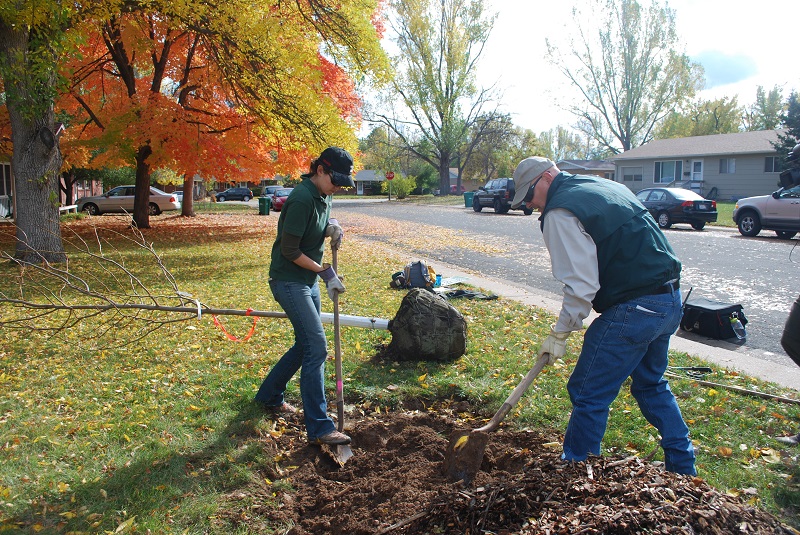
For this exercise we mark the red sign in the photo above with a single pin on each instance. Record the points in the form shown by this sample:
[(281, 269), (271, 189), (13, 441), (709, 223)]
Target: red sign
[(389, 175)]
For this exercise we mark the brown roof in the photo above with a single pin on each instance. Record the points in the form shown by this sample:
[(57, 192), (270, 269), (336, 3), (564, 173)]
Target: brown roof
[(587, 164), (756, 142)]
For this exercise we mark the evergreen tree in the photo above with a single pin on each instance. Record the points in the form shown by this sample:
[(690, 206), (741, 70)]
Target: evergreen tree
[(790, 123)]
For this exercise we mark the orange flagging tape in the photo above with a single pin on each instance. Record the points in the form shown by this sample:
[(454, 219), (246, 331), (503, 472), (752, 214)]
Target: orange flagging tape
[(232, 337)]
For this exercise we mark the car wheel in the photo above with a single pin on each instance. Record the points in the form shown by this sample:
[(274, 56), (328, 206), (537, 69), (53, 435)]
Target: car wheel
[(698, 225), (527, 211), (153, 209), (476, 205), (749, 224), (664, 221), (90, 209), (245, 198), (785, 234), (498, 206), (221, 198)]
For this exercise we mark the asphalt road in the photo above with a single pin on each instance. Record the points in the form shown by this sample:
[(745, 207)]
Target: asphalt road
[(760, 273)]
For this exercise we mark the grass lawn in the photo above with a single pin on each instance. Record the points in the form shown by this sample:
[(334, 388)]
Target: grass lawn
[(724, 214), (125, 422)]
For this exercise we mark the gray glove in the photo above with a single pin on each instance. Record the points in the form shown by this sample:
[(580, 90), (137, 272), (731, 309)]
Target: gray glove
[(555, 345), (332, 281), (335, 233)]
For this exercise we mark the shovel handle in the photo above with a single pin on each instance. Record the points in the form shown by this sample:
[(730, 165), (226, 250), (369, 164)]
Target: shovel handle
[(337, 344), (513, 398)]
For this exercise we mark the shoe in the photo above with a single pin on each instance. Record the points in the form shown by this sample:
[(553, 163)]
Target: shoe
[(284, 409), (334, 438), (791, 441)]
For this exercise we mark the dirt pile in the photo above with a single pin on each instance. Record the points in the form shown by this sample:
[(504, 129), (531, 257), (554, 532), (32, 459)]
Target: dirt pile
[(395, 484)]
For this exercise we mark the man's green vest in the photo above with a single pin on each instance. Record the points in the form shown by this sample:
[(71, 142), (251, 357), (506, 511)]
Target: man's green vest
[(633, 255)]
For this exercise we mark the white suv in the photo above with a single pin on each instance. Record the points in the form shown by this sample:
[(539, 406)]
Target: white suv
[(779, 212)]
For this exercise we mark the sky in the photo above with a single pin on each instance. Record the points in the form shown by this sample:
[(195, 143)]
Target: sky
[(741, 45)]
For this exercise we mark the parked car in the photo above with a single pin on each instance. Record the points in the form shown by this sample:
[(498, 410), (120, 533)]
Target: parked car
[(279, 197), (235, 194), (179, 195), (779, 212), (269, 191), (453, 189), (120, 199), (497, 194), (678, 205)]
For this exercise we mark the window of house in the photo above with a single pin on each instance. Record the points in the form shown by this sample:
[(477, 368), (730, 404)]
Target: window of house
[(727, 166), (667, 171), (5, 179), (771, 164), (632, 174)]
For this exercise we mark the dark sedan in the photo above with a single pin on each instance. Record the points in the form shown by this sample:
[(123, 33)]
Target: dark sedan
[(233, 194), (678, 205)]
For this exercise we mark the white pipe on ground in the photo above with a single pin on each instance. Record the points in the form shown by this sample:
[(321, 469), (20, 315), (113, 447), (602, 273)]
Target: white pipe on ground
[(356, 321)]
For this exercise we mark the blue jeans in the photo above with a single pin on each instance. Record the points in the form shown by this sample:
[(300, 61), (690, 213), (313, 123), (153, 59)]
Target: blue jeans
[(630, 339), (302, 305)]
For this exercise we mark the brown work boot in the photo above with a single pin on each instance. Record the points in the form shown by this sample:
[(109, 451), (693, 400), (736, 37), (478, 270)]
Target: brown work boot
[(334, 438), (284, 409)]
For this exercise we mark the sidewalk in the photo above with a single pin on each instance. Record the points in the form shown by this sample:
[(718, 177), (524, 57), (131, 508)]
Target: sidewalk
[(739, 359)]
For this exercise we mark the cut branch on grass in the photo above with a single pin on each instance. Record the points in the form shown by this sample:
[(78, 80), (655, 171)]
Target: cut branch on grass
[(55, 298), (738, 389)]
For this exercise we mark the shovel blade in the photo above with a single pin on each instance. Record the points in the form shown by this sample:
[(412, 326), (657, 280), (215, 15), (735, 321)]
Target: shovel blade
[(340, 454), (465, 454)]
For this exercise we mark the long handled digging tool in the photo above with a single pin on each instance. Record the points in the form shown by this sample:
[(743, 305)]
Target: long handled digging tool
[(465, 449), (340, 453)]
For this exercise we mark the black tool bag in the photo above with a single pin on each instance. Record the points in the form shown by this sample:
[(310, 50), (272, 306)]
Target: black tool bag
[(711, 318)]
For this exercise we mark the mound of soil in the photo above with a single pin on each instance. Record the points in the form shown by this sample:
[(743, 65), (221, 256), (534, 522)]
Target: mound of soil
[(395, 483)]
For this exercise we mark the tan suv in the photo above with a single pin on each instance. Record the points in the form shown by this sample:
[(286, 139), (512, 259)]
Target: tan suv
[(779, 212)]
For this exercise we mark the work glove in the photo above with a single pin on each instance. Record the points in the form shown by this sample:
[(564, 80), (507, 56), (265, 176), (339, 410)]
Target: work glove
[(335, 233), (332, 281), (555, 344)]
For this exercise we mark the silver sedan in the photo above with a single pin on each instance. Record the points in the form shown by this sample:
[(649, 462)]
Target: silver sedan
[(120, 199)]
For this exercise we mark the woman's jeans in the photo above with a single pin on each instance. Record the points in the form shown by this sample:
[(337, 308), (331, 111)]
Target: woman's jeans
[(308, 354), (630, 339)]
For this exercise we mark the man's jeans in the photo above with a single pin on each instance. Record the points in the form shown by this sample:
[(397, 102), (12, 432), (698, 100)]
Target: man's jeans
[(628, 339), (302, 305)]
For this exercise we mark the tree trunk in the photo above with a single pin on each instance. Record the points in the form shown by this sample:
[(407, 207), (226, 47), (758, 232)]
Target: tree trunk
[(68, 186), (187, 207), (36, 158), (444, 175), (141, 200)]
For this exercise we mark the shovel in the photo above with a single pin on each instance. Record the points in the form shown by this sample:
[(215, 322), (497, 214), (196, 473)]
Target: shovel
[(465, 449), (340, 453)]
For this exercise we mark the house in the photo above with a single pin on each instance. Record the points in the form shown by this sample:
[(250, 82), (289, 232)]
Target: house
[(368, 182), (467, 184), (721, 166), (601, 168)]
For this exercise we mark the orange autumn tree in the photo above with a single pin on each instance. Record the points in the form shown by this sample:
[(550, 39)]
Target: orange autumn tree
[(233, 91)]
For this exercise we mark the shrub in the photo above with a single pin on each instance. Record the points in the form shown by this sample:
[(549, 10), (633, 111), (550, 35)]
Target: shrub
[(401, 186)]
